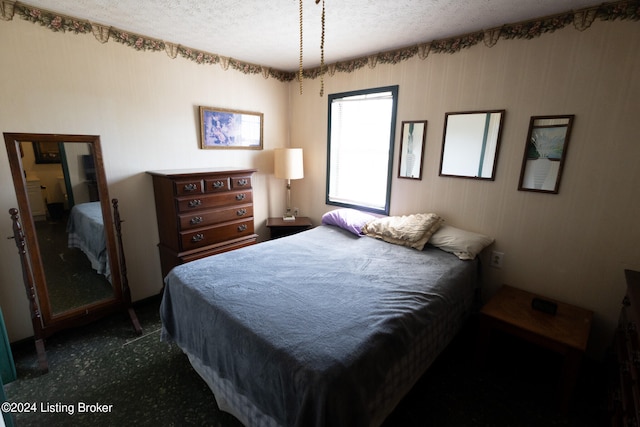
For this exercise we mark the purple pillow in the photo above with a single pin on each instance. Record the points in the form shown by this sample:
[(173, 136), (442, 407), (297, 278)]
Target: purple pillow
[(350, 219)]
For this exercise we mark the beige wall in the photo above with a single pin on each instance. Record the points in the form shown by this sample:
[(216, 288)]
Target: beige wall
[(144, 107), (572, 246)]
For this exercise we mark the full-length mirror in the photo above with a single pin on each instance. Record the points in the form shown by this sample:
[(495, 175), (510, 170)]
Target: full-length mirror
[(72, 243), (470, 144)]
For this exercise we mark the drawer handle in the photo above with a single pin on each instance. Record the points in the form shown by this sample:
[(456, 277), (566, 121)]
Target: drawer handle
[(242, 228), (197, 237), (243, 182), (195, 203), (190, 187), (218, 184), (241, 212), (196, 220), (240, 196)]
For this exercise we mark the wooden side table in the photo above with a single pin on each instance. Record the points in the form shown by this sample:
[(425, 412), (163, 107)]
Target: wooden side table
[(566, 332), (278, 227)]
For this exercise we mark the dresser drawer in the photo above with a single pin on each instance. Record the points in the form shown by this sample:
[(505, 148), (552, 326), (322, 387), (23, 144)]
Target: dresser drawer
[(215, 234), (240, 182), (219, 249), (214, 216), (205, 201), (187, 186), (212, 185)]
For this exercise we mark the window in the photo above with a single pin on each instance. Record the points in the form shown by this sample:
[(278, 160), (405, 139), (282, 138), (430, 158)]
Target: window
[(360, 148)]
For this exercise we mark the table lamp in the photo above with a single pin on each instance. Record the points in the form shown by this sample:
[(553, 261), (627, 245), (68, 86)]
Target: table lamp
[(288, 165)]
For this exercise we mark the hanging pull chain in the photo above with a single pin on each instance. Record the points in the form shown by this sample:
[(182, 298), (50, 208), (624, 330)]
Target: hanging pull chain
[(322, 52), (300, 70)]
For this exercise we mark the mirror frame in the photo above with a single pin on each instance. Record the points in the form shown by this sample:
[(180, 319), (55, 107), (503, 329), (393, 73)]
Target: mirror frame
[(50, 321), (497, 149), (532, 153)]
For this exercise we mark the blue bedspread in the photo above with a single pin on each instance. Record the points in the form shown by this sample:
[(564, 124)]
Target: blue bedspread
[(85, 229), (321, 328)]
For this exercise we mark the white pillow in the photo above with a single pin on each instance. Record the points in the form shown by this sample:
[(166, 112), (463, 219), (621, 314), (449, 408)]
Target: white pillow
[(464, 244)]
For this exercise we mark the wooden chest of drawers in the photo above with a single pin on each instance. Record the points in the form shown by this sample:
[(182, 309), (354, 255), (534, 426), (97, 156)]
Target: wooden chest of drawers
[(624, 387), (202, 212)]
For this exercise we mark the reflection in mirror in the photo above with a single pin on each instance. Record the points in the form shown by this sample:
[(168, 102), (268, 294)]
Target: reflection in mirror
[(68, 239), (470, 144), (69, 224), (545, 152)]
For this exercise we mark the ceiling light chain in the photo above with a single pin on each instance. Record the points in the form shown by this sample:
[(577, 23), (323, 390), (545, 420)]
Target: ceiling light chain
[(300, 70), (322, 53)]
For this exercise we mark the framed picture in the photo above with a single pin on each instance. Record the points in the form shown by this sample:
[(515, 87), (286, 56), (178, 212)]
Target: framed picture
[(412, 139), (545, 153), (46, 152), (220, 128)]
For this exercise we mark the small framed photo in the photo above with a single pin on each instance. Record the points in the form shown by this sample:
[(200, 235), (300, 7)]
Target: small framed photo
[(545, 153), (221, 128), (412, 139)]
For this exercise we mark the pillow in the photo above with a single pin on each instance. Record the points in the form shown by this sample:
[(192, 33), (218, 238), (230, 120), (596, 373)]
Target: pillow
[(464, 244), (411, 230), (349, 219)]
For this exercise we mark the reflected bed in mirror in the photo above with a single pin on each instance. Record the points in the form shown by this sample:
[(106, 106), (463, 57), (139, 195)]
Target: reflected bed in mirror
[(74, 256), (68, 239), (470, 144), (70, 228)]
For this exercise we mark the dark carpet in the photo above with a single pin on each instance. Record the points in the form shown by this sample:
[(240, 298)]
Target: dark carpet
[(71, 281), (148, 382)]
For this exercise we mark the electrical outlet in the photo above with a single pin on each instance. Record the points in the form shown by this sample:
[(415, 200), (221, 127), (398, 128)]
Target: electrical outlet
[(295, 212), (497, 258)]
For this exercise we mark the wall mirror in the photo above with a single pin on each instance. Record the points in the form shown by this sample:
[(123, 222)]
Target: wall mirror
[(412, 140), (470, 144), (544, 153), (68, 238)]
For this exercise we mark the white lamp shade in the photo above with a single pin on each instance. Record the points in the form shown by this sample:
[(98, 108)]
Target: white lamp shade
[(288, 163)]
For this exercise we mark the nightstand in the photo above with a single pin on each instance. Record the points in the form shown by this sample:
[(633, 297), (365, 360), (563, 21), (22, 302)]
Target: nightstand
[(278, 227), (565, 332)]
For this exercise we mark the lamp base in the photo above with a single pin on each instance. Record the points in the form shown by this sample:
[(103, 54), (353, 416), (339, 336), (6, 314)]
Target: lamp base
[(288, 217)]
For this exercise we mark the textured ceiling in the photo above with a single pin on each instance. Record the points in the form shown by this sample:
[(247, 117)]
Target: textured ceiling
[(266, 32)]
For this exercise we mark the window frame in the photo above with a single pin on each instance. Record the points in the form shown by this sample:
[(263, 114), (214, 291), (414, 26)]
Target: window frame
[(392, 133)]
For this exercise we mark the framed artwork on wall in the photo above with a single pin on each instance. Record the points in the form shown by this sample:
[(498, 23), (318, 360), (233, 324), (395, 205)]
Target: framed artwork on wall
[(221, 128), (412, 141), (46, 152), (545, 152)]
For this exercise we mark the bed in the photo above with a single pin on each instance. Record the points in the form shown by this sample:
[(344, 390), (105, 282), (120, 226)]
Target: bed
[(322, 328), (85, 230)]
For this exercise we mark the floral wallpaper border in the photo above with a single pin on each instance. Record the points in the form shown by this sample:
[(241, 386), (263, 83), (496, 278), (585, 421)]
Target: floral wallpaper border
[(581, 19)]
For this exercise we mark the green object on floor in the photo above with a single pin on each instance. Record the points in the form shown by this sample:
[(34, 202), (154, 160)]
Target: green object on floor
[(7, 367)]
